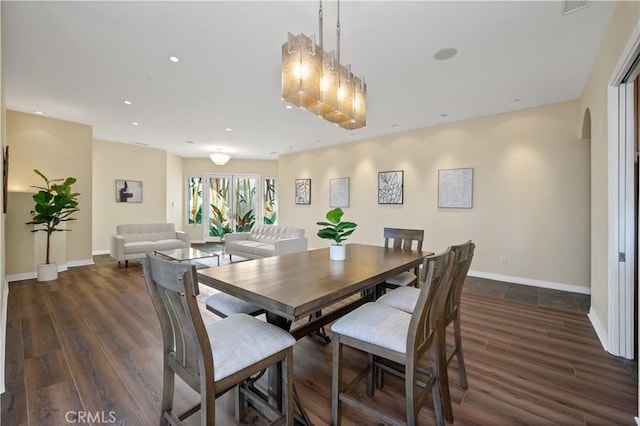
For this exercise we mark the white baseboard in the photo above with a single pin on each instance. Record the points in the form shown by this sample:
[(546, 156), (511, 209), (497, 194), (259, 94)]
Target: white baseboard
[(99, 252), (531, 282), (61, 268), (600, 330), (81, 262)]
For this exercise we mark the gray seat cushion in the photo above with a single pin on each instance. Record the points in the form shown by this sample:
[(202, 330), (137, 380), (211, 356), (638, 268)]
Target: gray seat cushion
[(402, 279), (241, 340), (378, 324), (403, 298), (228, 305)]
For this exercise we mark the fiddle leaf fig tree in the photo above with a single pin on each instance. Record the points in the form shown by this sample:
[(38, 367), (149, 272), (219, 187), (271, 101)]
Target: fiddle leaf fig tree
[(335, 229), (54, 204)]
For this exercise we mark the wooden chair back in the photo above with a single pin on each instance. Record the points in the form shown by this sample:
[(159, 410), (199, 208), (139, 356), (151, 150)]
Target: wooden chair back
[(430, 307), (404, 239), (465, 253), (173, 288)]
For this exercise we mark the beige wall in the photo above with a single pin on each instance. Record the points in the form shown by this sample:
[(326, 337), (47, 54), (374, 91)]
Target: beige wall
[(113, 161), (625, 17), (176, 187), (531, 191), (199, 166), (58, 149)]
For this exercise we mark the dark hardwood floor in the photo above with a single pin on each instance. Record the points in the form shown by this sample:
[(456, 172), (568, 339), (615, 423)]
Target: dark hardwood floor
[(86, 349)]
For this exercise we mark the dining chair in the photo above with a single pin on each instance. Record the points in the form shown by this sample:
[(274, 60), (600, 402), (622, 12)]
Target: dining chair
[(404, 239), (405, 299), (219, 357), (391, 336), (224, 305)]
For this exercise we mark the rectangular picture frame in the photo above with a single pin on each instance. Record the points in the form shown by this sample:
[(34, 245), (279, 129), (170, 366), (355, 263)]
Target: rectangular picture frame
[(455, 188), (303, 191), (128, 191), (391, 187), (339, 192)]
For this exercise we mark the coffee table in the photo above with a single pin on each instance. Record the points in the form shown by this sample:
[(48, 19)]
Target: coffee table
[(188, 255)]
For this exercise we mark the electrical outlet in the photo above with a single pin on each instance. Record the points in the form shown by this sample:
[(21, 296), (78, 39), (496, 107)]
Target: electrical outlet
[(503, 259)]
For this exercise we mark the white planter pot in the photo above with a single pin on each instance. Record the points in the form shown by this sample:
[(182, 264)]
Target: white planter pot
[(337, 252), (47, 272)]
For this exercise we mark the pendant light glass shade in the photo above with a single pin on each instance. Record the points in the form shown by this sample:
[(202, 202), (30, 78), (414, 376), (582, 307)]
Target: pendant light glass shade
[(219, 158), (315, 80), (301, 71)]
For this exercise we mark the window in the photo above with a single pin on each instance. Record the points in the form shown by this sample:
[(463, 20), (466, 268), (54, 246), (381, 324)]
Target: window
[(194, 203)]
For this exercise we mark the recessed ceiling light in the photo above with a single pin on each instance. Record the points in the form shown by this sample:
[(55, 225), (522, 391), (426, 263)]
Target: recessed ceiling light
[(288, 107), (394, 125), (228, 129), (126, 102), (38, 112), (514, 101), (141, 144), (174, 59), (443, 115), (447, 53), (135, 123), (273, 153), (191, 142)]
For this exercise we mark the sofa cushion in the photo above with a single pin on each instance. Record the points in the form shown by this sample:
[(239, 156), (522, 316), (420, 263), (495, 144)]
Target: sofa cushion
[(139, 247), (169, 244), (254, 247), (270, 233)]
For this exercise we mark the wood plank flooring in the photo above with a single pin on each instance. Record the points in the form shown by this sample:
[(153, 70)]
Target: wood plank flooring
[(86, 349)]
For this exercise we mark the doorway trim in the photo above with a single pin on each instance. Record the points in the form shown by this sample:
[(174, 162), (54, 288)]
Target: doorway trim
[(622, 234)]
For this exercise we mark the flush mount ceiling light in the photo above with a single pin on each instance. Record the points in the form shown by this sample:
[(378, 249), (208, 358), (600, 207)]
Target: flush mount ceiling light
[(219, 159), (316, 81)]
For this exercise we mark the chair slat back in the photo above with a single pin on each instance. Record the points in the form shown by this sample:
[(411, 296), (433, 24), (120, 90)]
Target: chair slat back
[(403, 239), (430, 306), (173, 289), (465, 253)]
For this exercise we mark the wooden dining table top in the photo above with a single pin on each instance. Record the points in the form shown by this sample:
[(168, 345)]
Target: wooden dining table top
[(296, 285)]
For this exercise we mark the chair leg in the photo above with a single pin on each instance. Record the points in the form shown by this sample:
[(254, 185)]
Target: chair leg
[(167, 395), (240, 404), (287, 396), (443, 376), (370, 374), (336, 385), (435, 389), (459, 355), (126, 263), (410, 389)]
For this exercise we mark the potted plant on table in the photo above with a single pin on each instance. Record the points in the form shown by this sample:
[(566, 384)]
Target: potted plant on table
[(337, 231), (54, 204)]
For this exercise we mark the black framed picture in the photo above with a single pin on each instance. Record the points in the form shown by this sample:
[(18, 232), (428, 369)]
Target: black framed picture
[(303, 191), (128, 191), (391, 187)]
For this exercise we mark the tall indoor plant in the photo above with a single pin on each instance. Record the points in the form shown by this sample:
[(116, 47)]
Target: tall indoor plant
[(54, 204), (337, 231)]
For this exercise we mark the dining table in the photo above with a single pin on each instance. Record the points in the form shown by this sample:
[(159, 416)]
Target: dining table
[(308, 285)]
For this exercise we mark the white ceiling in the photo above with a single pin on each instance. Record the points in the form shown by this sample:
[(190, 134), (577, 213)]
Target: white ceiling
[(78, 61)]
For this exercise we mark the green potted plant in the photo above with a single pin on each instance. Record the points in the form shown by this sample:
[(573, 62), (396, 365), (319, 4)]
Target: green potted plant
[(336, 231), (54, 204)]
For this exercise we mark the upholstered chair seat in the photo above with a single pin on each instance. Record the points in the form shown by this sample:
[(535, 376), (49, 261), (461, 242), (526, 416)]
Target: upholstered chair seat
[(224, 305)]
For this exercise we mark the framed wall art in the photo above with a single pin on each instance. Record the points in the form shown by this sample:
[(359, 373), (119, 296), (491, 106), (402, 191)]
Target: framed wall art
[(128, 191), (455, 188), (339, 192), (303, 191), (391, 187)]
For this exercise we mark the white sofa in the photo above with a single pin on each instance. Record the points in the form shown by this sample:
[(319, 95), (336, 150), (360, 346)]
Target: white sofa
[(134, 240), (265, 241)]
